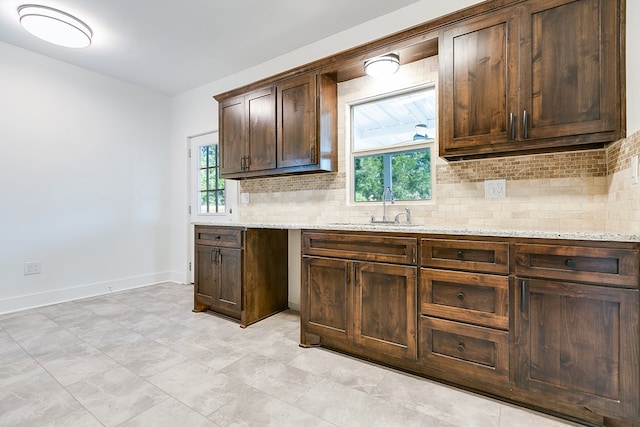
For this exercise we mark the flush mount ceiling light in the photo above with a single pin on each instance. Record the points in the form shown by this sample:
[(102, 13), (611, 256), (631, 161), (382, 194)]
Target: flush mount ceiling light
[(55, 26), (381, 66)]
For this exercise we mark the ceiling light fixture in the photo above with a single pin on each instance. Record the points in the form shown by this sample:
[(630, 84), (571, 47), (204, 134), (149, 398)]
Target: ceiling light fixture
[(55, 26), (382, 66)]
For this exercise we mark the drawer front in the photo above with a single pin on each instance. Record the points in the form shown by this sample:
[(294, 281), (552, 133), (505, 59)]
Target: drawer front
[(465, 349), (481, 299), (226, 237), (605, 266), (485, 257), (365, 247)]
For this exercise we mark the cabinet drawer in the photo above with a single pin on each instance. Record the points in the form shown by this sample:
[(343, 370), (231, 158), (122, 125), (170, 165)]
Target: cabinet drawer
[(465, 349), (226, 237), (608, 266), (365, 247), (481, 299), (486, 257)]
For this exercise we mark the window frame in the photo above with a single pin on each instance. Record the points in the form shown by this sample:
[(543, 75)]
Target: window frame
[(216, 191), (409, 146)]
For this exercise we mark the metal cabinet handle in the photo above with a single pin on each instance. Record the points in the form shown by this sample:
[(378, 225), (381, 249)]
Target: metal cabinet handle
[(460, 348), (571, 263), (244, 163), (512, 127), (523, 292), (461, 296), (525, 126), (460, 255)]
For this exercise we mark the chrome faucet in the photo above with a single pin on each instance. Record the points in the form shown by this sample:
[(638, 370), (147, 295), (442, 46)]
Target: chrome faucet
[(387, 192), (406, 213)]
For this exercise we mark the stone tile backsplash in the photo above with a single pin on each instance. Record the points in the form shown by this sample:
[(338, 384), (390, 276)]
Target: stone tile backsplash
[(581, 191)]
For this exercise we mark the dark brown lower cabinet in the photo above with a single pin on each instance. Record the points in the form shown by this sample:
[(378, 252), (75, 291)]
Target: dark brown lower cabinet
[(241, 273), (326, 307), (359, 291), (578, 344), (457, 348), (546, 323), (218, 284), (385, 308), (369, 305)]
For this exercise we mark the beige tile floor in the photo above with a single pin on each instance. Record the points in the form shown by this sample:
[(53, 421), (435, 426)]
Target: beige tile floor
[(142, 358)]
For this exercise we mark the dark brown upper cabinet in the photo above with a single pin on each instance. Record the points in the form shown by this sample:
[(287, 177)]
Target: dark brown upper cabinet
[(248, 132), (539, 76), (289, 127)]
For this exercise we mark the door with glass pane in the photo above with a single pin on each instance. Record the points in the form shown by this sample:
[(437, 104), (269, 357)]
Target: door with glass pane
[(212, 199)]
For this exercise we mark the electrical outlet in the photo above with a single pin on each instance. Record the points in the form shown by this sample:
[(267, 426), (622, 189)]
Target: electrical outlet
[(634, 170), (244, 198), (494, 188), (32, 268)]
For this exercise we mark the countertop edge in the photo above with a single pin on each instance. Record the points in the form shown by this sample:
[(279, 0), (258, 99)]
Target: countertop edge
[(420, 229)]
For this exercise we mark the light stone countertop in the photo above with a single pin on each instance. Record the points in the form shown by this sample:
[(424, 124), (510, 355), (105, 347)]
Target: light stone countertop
[(424, 229)]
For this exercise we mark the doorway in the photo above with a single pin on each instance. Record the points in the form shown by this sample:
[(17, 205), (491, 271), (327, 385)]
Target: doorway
[(211, 200)]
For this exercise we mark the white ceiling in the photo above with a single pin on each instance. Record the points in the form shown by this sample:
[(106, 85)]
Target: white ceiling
[(171, 46)]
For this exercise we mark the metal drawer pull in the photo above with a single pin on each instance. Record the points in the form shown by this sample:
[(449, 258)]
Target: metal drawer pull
[(460, 255), (570, 263), (461, 348), (525, 125), (461, 296)]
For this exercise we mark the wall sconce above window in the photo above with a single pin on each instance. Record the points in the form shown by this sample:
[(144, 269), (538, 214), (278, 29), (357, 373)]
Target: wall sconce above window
[(55, 26), (382, 66)]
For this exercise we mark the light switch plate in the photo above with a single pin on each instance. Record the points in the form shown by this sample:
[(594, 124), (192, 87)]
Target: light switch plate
[(34, 267), (494, 188)]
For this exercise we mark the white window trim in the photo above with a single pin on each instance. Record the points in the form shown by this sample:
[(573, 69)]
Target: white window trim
[(349, 152)]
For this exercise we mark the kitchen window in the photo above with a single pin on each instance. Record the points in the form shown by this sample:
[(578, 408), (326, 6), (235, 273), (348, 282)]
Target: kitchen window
[(391, 145)]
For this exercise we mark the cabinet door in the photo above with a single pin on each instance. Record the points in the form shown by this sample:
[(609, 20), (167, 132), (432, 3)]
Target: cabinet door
[(232, 135), (568, 68), (326, 297), (385, 308), (478, 82), (578, 344), (297, 122), (261, 130), (228, 297), (205, 277)]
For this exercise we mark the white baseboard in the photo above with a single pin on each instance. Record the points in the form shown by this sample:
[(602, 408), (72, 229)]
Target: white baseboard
[(55, 296)]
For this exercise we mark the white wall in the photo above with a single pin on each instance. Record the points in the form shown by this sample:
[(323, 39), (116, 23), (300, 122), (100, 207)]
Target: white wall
[(84, 182)]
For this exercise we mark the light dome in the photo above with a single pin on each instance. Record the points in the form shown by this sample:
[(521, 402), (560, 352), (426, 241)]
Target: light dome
[(55, 26)]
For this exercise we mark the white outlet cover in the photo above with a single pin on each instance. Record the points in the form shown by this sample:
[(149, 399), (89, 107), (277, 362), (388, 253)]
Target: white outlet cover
[(495, 188), (244, 198)]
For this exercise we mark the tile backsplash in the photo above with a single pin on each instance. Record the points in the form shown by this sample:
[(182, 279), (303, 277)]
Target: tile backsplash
[(581, 191)]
